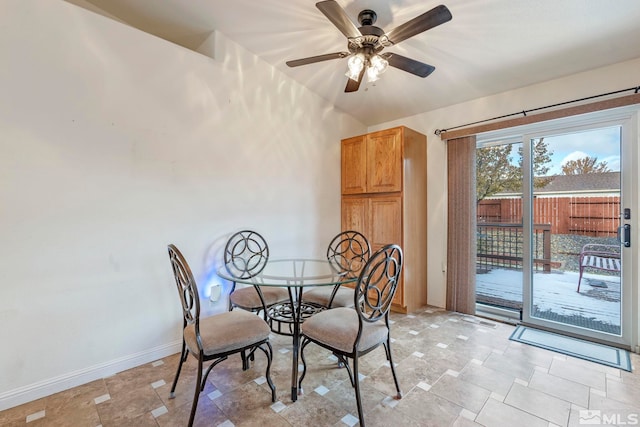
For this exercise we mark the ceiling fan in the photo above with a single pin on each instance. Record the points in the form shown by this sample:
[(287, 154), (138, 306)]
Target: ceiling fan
[(366, 42)]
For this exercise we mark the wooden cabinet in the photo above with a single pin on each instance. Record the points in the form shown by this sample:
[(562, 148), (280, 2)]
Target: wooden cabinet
[(384, 197), (372, 163)]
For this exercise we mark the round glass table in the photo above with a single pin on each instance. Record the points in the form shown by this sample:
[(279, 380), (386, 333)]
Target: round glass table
[(295, 275)]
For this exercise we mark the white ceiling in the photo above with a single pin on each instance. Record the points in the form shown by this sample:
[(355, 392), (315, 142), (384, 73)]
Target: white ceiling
[(489, 46)]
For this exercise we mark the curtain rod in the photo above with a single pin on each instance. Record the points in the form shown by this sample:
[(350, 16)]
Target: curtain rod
[(524, 112)]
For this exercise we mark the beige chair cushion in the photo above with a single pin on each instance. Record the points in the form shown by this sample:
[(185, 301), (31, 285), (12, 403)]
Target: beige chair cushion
[(248, 297), (227, 332), (321, 294), (338, 328)]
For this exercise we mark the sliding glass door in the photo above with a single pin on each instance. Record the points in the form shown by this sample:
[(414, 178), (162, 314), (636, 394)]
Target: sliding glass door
[(575, 276), (500, 241), (554, 234)]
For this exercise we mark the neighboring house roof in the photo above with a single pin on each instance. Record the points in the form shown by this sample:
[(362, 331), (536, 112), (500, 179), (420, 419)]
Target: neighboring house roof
[(585, 184), (607, 181)]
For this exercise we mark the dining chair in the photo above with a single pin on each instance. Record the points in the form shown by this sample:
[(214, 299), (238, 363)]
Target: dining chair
[(245, 255), (217, 337), (353, 332), (347, 252)]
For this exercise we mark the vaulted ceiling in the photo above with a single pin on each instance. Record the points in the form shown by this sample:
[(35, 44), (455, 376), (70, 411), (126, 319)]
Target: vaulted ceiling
[(489, 46)]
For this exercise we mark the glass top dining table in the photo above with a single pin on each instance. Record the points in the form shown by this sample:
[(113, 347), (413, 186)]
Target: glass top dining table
[(295, 275)]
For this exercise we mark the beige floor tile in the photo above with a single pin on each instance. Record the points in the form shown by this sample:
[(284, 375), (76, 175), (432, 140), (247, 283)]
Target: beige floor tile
[(498, 414), (344, 395), (313, 409), (530, 354), (430, 409), (464, 422), (383, 416), (506, 365), (579, 373), (18, 414), (624, 392), (128, 405), (560, 388), (539, 404), (598, 401), (595, 366), (462, 393), (487, 378)]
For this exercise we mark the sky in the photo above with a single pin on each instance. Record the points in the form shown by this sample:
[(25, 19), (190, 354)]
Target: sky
[(602, 143)]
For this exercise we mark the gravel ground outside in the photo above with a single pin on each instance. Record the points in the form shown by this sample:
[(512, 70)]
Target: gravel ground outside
[(565, 249)]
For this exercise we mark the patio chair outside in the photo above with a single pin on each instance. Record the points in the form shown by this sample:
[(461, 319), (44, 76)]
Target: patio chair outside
[(600, 257)]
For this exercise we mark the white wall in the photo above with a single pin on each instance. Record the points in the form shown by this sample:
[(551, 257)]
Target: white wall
[(115, 143), (603, 80)]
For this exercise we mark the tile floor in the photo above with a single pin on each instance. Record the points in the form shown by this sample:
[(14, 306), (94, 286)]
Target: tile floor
[(454, 370)]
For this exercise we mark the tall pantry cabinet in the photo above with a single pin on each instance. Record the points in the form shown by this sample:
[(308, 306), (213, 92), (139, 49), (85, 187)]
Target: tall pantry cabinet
[(384, 196)]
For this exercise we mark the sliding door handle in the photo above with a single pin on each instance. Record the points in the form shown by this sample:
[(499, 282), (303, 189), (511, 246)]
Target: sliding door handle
[(624, 235)]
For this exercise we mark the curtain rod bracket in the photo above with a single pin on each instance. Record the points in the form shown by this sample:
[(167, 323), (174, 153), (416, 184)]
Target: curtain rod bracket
[(524, 113), (637, 89)]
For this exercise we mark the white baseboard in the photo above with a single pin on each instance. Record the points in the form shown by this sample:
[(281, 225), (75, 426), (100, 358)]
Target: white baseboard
[(60, 383)]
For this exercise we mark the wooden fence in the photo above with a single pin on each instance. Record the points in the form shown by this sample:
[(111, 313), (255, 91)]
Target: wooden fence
[(588, 216)]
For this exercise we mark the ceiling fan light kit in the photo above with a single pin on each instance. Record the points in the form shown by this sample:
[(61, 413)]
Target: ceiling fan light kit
[(365, 43), (374, 64), (377, 66), (355, 64)]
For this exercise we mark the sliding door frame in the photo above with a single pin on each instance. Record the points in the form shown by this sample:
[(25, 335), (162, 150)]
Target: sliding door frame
[(627, 118)]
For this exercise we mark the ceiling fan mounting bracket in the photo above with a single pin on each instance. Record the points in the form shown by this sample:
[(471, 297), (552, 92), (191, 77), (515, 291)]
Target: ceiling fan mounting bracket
[(367, 17)]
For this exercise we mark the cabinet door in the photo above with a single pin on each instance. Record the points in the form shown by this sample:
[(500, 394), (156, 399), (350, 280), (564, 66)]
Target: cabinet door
[(354, 162), (355, 214), (384, 161), (385, 219)]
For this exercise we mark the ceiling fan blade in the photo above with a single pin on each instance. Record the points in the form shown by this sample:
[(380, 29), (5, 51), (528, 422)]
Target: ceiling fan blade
[(409, 65), (353, 85), (319, 58), (336, 14), (436, 16)]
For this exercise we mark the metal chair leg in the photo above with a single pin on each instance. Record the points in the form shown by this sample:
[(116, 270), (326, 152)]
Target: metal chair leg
[(357, 387), (269, 354), (387, 347), (305, 342), (183, 356), (196, 394), (245, 360)]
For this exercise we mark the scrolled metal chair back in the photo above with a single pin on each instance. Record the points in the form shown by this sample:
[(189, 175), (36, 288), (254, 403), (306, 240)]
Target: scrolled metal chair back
[(377, 283), (246, 254), (187, 287), (348, 253)]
